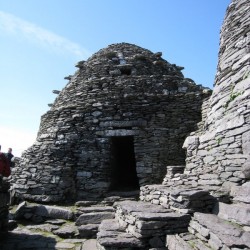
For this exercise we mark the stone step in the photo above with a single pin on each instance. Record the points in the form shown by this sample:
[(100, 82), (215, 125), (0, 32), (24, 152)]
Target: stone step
[(241, 193), (146, 220), (39, 213), (182, 199), (185, 241), (217, 233), (110, 198), (89, 245), (93, 209), (88, 231), (112, 236), (93, 218), (123, 194), (89, 219), (84, 221), (238, 213)]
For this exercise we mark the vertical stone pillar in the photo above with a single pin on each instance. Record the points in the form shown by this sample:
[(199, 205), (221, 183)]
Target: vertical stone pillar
[(4, 205), (218, 154)]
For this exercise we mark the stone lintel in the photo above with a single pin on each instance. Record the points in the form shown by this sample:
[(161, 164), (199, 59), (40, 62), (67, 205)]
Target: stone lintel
[(118, 132), (122, 124)]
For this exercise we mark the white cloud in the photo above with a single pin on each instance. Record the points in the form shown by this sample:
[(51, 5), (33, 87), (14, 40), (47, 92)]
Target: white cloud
[(19, 27), (17, 139)]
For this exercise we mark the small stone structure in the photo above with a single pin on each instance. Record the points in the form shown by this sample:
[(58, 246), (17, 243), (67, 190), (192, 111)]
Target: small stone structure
[(121, 119)]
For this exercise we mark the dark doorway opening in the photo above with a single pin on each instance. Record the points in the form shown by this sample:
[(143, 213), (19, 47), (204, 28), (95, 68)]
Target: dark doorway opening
[(123, 164)]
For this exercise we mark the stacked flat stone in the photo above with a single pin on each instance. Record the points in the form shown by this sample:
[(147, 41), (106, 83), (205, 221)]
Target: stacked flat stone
[(112, 236), (172, 171), (122, 90), (181, 199), (207, 231), (174, 176), (84, 221), (219, 154), (145, 224), (4, 205), (90, 218)]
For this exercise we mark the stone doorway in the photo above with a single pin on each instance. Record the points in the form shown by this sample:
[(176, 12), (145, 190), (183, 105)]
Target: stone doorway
[(123, 164)]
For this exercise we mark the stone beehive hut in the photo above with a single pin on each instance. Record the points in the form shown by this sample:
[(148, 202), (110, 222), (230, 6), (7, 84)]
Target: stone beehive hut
[(218, 155), (120, 120)]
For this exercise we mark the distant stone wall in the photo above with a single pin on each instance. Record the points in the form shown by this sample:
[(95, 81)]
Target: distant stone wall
[(122, 90), (4, 207), (218, 156)]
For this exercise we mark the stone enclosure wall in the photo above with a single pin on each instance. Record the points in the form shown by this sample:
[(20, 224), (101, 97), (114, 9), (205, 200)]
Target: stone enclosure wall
[(121, 119), (218, 155)]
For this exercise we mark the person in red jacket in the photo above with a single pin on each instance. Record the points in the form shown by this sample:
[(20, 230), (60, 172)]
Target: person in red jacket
[(4, 165)]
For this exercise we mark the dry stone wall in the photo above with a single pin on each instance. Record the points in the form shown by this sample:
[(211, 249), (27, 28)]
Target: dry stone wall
[(4, 205), (122, 97), (180, 213), (218, 155)]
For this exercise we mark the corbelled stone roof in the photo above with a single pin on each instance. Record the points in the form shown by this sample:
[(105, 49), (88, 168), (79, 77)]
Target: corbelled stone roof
[(124, 71), (122, 97)]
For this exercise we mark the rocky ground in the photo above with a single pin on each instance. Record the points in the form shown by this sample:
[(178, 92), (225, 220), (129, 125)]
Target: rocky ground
[(23, 238), (33, 232), (46, 227), (161, 218)]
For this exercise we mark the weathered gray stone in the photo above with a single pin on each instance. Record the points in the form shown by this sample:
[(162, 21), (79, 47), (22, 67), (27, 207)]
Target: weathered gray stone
[(64, 245), (224, 129), (85, 203), (66, 231), (90, 245), (246, 169), (191, 142), (215, 242), (241, 193), (145, 220), (238, 213), (221, 232), (105, 103), (96, 209), (182, 199), (93, 218), (202, 230), (88, 231), (54, 212), (114, 238), (174, 242), (44, 227), (20, 210)]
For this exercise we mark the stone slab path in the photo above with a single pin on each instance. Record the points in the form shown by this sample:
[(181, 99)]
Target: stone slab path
[(23, 239)]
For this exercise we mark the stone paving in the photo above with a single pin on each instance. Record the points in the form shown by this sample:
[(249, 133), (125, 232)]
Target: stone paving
[(22, 238)]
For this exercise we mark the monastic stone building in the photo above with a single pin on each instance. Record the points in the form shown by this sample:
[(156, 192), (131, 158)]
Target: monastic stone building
[(120, 120), (120, 123), (218, 154)]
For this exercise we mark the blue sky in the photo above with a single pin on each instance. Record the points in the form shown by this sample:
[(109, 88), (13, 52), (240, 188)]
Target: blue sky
[(41, 41)]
